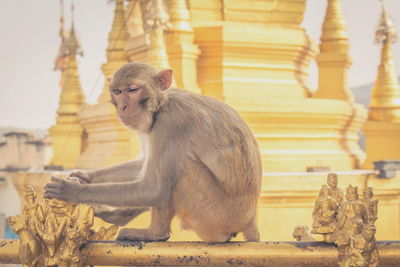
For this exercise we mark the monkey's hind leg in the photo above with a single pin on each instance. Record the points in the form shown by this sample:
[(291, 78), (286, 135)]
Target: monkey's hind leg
[(121, 216), (251, 233), (159, 230)]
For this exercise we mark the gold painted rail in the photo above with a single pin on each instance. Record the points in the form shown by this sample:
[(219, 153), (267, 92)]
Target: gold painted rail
[(211, 254)]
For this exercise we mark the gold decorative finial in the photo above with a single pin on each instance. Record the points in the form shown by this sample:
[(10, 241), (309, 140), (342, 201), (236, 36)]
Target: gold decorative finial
[(179, 15), (154, 15), (63, 33), (72, 44), (62, 56), (159, 21), (334, 30), (334, 59), (72, 97), (116, 55), (385, 99), (386, 30), (118, 34)]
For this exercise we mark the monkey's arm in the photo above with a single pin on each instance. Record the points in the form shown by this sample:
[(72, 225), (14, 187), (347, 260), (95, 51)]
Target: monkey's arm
[(141, 193), (123, 172)]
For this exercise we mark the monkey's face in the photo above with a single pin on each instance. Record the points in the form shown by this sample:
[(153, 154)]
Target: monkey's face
[(128, 100), (137, 93)]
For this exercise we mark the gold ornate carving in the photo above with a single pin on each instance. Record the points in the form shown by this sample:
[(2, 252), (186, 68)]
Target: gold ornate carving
[(370, 204), (348, 223), (52, 233)]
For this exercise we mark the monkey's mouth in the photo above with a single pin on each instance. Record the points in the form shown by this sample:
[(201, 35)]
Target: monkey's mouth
[(126, 119)]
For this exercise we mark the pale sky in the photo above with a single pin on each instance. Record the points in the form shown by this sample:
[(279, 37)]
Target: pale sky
[(29, 42)]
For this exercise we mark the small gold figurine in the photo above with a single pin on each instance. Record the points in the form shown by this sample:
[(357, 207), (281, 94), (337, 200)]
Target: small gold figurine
[(302, 233), (83, 217), (50, 236), (29, 249), (32, 210), (336, 192), (351, 211), (370, 204), (371, 250), (324, 213), (362, 250), (70, 254)]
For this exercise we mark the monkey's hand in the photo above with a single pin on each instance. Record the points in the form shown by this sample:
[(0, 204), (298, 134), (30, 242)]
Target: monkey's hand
[(63, 189), (83, 177)]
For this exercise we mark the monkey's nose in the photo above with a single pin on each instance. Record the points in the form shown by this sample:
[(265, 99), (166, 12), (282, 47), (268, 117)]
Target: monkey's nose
[(123, 107)]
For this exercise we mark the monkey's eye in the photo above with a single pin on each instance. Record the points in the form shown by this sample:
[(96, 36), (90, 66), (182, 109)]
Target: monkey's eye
[(132, 90), (116, 91)]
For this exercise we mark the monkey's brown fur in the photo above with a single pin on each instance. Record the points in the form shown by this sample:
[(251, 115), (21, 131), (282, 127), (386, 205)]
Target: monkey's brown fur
[(201, 163)]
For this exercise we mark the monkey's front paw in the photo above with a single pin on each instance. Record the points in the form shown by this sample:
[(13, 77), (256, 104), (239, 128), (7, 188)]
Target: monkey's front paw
[(62, 189)]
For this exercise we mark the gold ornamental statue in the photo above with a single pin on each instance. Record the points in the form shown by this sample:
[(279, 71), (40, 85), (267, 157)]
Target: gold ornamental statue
[(52, 233), (370, 204), (325, 212), (348, 223)]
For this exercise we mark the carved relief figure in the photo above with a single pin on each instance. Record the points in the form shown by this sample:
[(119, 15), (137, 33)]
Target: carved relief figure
[(370, 204), (362, 250), (32, 210), (336, 192), (70, 255), (352, 210), (29, 249), (50, 235), (324, 213)]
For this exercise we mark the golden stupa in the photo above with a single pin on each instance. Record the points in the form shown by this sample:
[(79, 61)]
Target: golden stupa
[(255, 56)]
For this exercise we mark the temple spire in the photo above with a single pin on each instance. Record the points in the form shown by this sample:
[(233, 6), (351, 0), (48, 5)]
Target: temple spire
[(66, 134), (385, 99), (334, 59), (63, 32), (71, 43), (72, 97), (157, 54), (61, 60), (116, 55)]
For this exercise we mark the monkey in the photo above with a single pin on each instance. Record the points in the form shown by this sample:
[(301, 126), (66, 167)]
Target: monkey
[(200, 163)]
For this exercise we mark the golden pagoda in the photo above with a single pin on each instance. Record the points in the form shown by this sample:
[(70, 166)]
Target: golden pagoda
[(383, 127), (255, 56), (67, 133)]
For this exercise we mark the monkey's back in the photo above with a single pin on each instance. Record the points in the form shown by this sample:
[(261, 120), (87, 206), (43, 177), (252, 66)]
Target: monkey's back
[(219, 161), (218, 137)]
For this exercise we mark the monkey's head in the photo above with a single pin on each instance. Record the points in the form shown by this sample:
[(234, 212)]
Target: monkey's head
[(137, 92)]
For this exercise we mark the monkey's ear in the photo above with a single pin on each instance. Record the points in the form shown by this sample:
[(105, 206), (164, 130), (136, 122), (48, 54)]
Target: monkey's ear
[(109, 80), (164, 78)]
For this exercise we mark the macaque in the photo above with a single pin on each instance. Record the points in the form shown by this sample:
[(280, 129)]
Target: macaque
[(200, 163)]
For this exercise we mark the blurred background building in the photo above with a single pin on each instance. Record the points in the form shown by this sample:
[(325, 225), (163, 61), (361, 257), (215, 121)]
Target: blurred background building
[(254, 55)]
